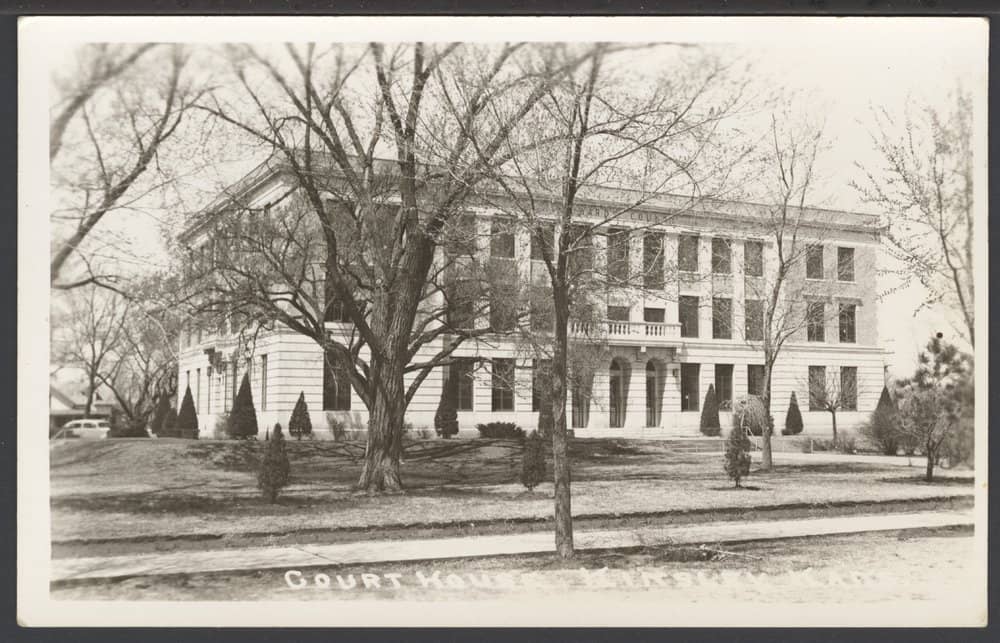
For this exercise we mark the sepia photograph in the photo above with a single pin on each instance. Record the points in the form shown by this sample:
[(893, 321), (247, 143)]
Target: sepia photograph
[(502, 321)]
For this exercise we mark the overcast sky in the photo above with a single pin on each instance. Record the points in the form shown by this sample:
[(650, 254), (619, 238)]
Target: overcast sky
[(837, 69)]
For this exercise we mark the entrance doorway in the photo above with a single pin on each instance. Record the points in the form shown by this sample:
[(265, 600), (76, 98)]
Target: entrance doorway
[(618, 393)]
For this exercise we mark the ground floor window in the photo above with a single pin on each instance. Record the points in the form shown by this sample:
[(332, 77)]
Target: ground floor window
[(755, 380), (580, 390), (817, 388), (539, 379), (654, 394), (849, 388), (336, 386), (462, 370), (689, 386), (617, 394), (724, 386), (503, 384)]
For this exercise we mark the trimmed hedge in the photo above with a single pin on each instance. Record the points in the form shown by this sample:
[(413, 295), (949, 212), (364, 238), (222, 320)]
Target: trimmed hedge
[(500, 431), (710, 413)]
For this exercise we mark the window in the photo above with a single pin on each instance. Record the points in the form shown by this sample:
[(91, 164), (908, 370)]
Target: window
[(336, 386), (849, 388), (618, 313), (618, 258), (655, 315), (814, 262), (263, 382), (724, 385), (335, 310), (817, 388), (687, 312), (755, 379), (541, 311), (846, 323), (503, 384), (753, 258), (504, 306), (463, 236), (689, 387), (753, 312), (722, 256), (543, 236), (501, 239), (197, 390), (580, 250), (462, 371), (815, 326), (461, 311), (539, 379), (845, 264), (687, 253), (652, 260), (722, 318), (208, 393)]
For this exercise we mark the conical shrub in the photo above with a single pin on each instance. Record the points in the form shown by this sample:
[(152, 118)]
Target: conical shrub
[(242, 422), (275, 469), (446, 416), (793, 419), (187, 419), (710, 413), (300, 424)]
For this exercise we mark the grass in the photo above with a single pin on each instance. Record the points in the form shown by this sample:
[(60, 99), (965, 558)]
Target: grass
[(157, 490)]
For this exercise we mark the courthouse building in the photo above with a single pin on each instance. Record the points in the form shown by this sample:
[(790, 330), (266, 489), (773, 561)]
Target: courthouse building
[(693, 320)]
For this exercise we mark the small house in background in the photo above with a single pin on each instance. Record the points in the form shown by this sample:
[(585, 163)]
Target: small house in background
[(69, 402)]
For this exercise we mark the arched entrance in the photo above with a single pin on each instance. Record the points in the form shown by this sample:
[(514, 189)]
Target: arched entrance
[(618, 393)]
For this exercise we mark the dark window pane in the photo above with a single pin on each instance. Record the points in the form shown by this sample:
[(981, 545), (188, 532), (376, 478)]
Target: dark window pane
[(462, 371), (460, 238), (462, 297), (652, 260), (336, 386), (849, 388), (618, 256), (687, 253), (817, 388), (754, 318), (846, 319), (722, 318), (687, 307), (542, 237), (724, 385), (503, 384), (502, 239), (579, 250), (755, 379), (845, 264), (816, 321), (539, 380), (689, 387), (618, 313), (814, 262), (722, 256), (653, 315), (753, 258)]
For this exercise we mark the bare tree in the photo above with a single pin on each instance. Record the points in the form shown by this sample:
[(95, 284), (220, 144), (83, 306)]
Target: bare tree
[(833, 391), (645, 144), (327, 114), (107, 133), (924, 187)]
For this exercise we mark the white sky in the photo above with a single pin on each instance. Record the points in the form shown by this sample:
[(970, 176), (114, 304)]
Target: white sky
[(837, 67)]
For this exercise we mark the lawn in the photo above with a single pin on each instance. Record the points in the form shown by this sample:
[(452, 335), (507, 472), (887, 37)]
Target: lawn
[(157, 490)]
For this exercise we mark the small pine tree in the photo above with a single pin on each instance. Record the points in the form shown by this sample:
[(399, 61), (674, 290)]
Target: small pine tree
[(793, 419), (710, 413), (533, 460), (300, 424), (446, 416), (274, 467), (187, 419), (242, 423), (159, 415), (737, 454), (169, 428), (884, 429)]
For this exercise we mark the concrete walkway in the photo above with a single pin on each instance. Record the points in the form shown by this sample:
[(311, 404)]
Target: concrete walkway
[(303, 556)]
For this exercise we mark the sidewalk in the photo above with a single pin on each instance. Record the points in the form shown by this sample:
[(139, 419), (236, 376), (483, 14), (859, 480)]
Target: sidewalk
[(297, 557)]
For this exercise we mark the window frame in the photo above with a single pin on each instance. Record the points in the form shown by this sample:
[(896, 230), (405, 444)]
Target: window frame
[(684, 254), (817, 397), (758, 263), (841, 250), (722, 328), (722, 256), (849, 403), (502, 384), (464, 369), (653, 266), (815, 324), (692, 330), (853, 325), (756, 373), (501, 238), (723, 368), (811, 258), (689, 370), (747, 318), (618, 254)]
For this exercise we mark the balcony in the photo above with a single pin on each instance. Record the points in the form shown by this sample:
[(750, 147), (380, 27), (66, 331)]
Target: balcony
[(630, 333)]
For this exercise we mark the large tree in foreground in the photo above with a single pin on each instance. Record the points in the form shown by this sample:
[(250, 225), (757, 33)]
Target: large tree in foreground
[(924, 186), (328, 115)]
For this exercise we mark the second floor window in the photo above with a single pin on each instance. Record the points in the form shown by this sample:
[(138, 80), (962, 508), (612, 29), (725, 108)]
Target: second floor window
[(753, 258), (542, 240), (845, 264), (655, 315), (618, 255), (461, 304), (722, 256), (503, 384), (815, 321), (687, 253), (722, 318), (580, 250), (846, 323), (753, 312), (501, 239), (618, 313), (814, 262), (687, 312), (652, 260)]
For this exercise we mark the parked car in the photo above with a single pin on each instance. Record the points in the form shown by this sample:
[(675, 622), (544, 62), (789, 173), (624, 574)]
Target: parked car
[(85, 429)]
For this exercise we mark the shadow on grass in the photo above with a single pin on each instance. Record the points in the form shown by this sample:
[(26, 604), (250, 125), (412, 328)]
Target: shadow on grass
[(946, 481)]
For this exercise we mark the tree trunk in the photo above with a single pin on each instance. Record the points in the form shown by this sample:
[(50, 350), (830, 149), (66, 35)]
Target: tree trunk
[(766, 460), (833, 416), (560, 457), (929, 472), (380, 472)]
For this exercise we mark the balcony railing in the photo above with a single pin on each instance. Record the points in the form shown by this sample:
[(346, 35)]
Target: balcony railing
[(637, 332)]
